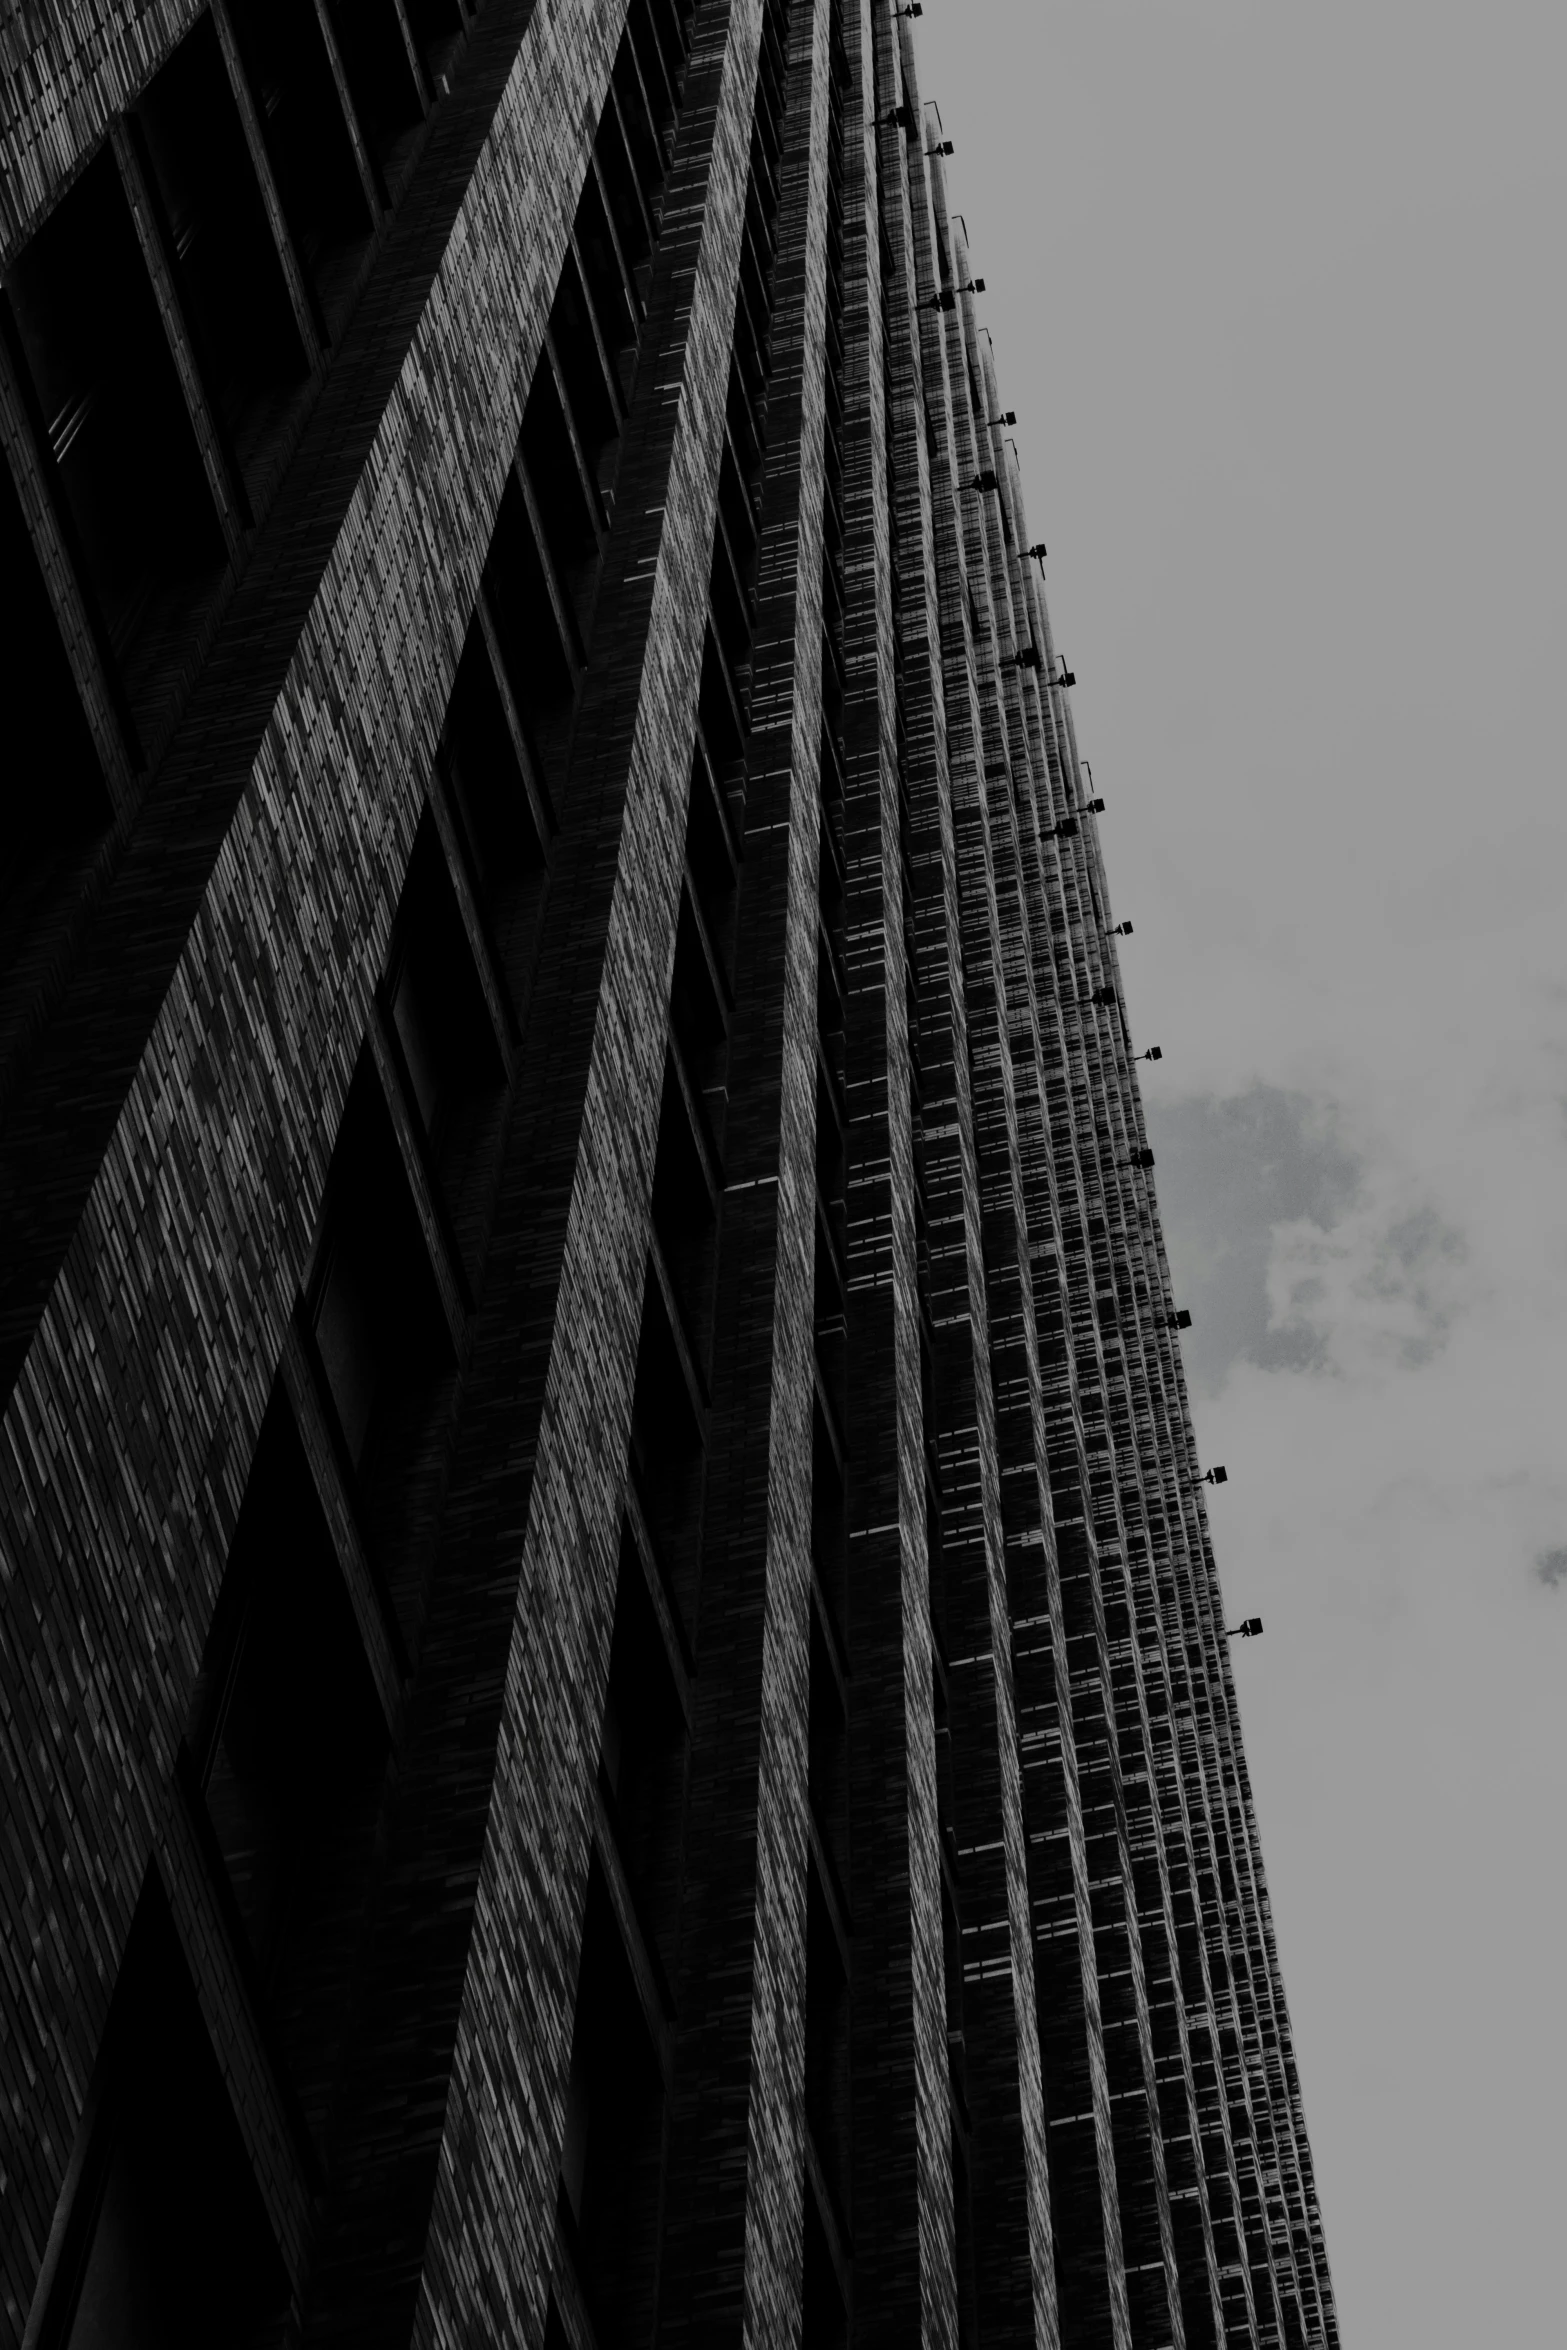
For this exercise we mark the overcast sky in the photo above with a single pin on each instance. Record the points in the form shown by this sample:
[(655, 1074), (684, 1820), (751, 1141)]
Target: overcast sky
[(1277, 293)]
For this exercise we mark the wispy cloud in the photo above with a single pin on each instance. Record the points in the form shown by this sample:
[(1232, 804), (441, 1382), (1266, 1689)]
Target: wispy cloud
[(1378, 1289), (1297, 1245)]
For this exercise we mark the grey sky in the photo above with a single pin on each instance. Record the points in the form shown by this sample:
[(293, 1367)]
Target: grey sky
[(1277, 296), (1230, 1172)]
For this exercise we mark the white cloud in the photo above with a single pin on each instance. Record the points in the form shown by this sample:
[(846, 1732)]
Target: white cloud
[(1377, 1291)]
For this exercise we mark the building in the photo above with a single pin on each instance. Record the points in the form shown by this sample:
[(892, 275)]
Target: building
[(617, 1720)]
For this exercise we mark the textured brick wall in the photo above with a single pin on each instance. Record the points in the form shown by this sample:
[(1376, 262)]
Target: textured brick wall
[(735, 2239), (1067, 1456), (1144, 1700), (903, 2180), (1011, 2208), (128, 1436)]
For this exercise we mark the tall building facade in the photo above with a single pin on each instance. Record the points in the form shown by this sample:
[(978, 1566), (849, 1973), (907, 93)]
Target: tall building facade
[(617, 1722)]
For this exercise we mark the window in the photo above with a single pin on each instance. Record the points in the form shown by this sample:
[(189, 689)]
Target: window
[(114, 418), (290, 1746), (168, 2245)]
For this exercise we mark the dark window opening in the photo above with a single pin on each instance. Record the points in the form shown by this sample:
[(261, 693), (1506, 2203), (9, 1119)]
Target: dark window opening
[(446, 1039), (647, 97), (612, 2154), (730, 597), (592, 408), (952, 1967), (55, 801), (382, 83), (625, 188), (571, 524), (963, 2216), (1191, 2264), (829, 980), (827, 2044), (831, 1319), (644, 1756), (826, 2321), (168, 2246), (684, 1212), (830, 1156), (829, 1525), (722, 717), (698, 1014), (611, 295), (231, 280), (540, 666), (644, 107), (121, 438), (290, 1746), (832, 686), (437, 26), (831, 1303), (307, 140), (482, 760), (670, 24), (828, 1765), (738, 501), (667, 1437), (750, 337), (710, 856), (747, 445), (383, 1340)]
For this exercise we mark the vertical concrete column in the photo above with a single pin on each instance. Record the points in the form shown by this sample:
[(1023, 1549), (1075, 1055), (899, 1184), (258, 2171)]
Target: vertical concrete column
[(734, 2238), (1249, 2031), (495, 1807), (1058, 792), (1119, 1348), (1013, 2254), (1013, 1180), (905, 2285), (1253, 2180), (1085, 972), (1199, 2149), (1108, 1702)]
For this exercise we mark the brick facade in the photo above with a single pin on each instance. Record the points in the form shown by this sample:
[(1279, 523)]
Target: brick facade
[(616, 1713)]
